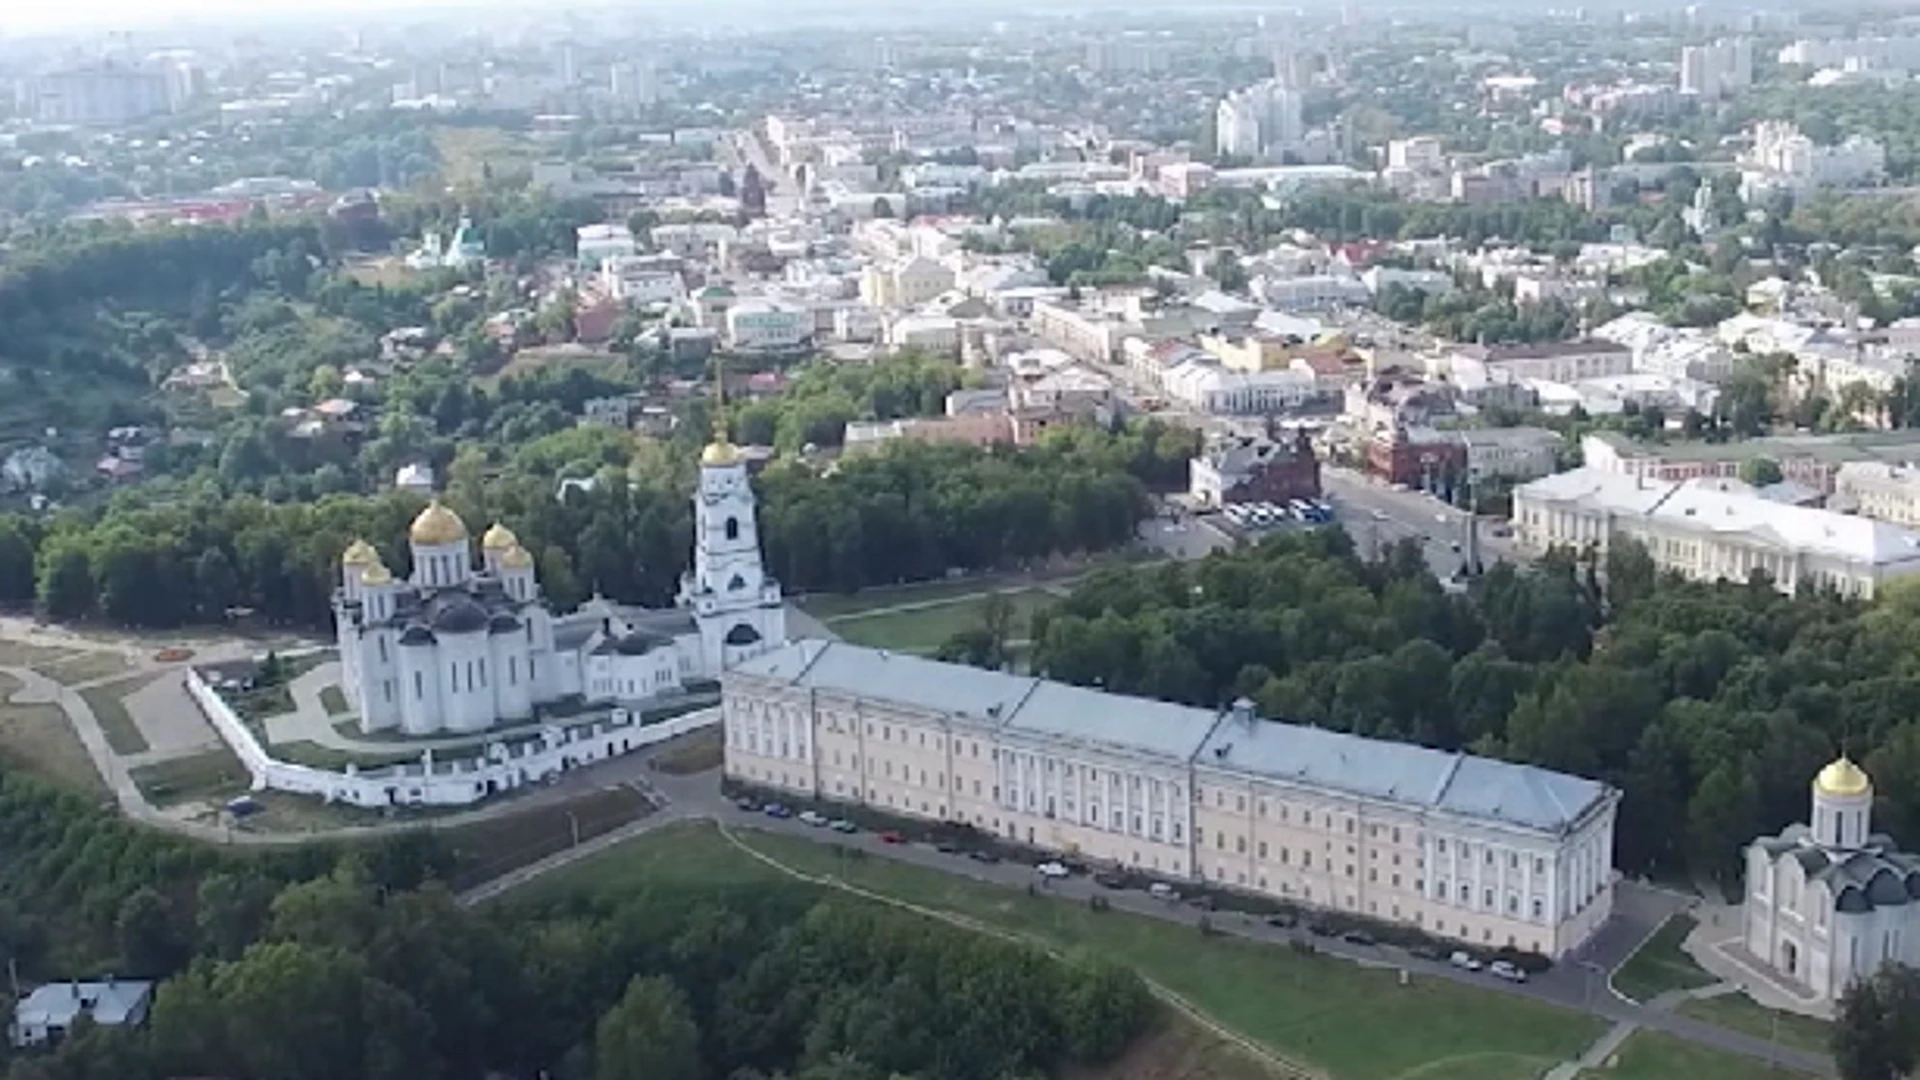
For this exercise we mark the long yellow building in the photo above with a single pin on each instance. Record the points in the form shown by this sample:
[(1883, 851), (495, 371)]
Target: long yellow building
[(1481, 851)]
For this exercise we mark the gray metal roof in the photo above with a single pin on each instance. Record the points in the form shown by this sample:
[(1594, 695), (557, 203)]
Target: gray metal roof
[(1416, 776), (60, 1004)]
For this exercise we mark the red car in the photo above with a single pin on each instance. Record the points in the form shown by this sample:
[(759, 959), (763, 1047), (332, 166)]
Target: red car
[(891, 837)]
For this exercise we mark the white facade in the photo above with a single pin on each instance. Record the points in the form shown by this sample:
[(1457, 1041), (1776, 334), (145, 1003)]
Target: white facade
[(639, 281), (766, 325), (595, 244), (1831, 901), (1264, 120), (1782, 160), (1709, 534), (1469, 849), (453, 649), (1889, 493), (1716, 70)]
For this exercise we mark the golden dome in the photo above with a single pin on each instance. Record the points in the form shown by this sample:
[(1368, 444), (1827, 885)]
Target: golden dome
[(1842, 777), (516, 558), (499, 538), (359, 553), (376, 574), (437, 525), (719, 452)]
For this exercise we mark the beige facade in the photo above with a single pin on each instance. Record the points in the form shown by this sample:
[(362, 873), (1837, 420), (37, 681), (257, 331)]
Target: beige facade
[(1484, 852)]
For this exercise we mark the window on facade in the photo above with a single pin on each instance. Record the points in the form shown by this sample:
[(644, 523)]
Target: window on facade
[(1486, 898), (1539, 865), (1306, 859), (1219, 841), (1263, 849), (1240, 845), (419, 686), (1440, 845), (1240, 803), (1373, 874)]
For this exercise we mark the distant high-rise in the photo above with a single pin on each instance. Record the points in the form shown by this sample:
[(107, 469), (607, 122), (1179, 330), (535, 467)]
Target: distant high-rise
[(105, 93), (1262, 121), (1716, 70)]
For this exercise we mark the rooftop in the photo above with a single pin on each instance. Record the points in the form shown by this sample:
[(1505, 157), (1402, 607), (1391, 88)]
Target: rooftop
[(1416, 776)]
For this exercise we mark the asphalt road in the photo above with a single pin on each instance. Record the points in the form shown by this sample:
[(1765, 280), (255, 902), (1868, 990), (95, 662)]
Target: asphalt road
[(1376, 516), (1580, 982)]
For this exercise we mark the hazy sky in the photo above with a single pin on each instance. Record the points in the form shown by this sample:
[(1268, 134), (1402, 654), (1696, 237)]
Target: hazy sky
[(30, 16)]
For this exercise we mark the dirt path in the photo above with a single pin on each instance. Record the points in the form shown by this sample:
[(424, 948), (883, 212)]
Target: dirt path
[(1279, 1066)]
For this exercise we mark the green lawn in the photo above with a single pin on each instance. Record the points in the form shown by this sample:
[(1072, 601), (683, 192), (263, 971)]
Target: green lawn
[(109, 704), (924, 630), (334, 700), (210, 774), (84, 666), (1356, 1023), (830, 606), (40, 740), (1656, 1055), (1738, 1012), (1659, 965)]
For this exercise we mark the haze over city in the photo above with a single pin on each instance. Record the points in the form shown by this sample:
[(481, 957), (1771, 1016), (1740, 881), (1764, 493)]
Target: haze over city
[(839, 540)]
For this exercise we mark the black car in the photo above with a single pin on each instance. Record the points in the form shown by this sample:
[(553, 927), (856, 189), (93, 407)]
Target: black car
[(1358, 937), (1109, 881), (982, 856), (947, 847), (1319, 930), (1283, 922), (1204, 901)]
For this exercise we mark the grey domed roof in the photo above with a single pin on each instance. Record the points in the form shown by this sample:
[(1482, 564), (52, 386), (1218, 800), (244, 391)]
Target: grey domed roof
[(638, 643), (416, 635), (459, 615), (742, 635), (1887, 889), (1852, 901), (502, 624)]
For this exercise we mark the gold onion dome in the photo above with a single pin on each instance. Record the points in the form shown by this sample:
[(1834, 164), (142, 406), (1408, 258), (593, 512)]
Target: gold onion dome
[(376, 575), (359, 553), (437, 525), (719, 452), (1843, 777), (516, 558), (499, 538)]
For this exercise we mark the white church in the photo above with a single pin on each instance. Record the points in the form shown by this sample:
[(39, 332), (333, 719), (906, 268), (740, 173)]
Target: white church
[(458, 648), (1831, 902)]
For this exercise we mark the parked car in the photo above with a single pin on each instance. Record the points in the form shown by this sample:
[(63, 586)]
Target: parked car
[(842, 825), (1358, 937), (747, 803), (1109, 881), (1464, 961), (892, 837), (776, 810), (981, 855), (1282, 921), (813, 817), (1506, 971), (1429, 952), (1319, 929), (947, 847), (1163, 891), (1204, 901), (1052, 870)]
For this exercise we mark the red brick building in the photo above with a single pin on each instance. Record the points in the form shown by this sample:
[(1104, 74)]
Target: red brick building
[(1248, 469), (1417, 456)]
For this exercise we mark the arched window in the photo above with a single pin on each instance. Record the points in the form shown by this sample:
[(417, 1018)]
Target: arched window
[(733, 528)]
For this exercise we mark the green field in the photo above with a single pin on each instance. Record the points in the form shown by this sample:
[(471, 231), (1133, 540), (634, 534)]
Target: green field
[(1738, 1012), (39, 739), (1660, 965), (1353, 1022), (84, 666), (923, 630), (109, 704), (210, 774), (1656, 1055), (830, 606)]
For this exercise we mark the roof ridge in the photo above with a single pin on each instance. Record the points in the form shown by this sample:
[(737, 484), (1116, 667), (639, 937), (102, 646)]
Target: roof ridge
[(1446, 779)]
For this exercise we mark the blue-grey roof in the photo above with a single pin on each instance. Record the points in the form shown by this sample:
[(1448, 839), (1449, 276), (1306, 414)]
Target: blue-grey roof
[(60, 1004), (1415, 776), (892, 676), (1139, 724)]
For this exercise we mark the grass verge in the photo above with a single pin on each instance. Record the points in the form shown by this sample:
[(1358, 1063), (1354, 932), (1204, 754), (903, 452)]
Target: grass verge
[(924, 630), (1738, 1012), (1656, 1055), (109, 704), (84, 666), (39, 739), (214, 774), (1659, 965), (1352, 1022), (334, 700)]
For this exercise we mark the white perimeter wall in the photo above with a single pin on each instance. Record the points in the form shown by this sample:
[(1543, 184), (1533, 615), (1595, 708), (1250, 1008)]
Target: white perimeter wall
[(448, 783)]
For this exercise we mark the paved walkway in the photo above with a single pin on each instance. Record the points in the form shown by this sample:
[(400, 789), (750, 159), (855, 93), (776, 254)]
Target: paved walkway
[(1717, 945)]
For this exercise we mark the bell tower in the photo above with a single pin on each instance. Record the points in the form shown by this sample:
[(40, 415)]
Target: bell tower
[(739, 608)]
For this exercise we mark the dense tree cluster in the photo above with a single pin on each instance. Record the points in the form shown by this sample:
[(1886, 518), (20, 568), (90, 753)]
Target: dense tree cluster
[(1876, 1032), (815, 407), (365, 967), (1710, 706)]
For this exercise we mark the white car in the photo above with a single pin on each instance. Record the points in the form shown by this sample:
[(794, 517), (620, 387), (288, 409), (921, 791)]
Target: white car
[(1051, 870), (812, 817), (1507, 971), (1464, 961)]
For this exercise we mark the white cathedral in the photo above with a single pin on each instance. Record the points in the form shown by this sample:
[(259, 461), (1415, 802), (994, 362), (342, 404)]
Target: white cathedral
[(1833, 901), (456, 649)]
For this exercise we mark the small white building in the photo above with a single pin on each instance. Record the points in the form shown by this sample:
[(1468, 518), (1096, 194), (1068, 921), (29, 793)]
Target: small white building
[(415, 476), (51, 1010), (640, 280), (768, 326), (595, 244), (936, 334), (1521, 453), (1831, 901)]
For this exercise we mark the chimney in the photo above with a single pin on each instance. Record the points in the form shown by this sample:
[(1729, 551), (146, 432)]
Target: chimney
[(1242, 711)]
